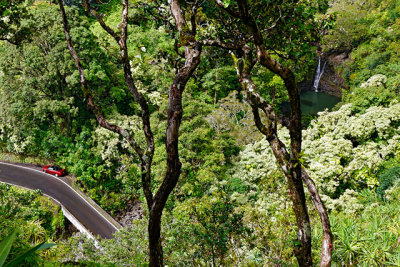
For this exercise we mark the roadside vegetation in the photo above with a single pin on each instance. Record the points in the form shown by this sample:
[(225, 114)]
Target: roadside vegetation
[(32, 219)]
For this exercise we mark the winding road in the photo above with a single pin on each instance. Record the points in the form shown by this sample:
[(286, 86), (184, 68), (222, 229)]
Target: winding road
[(79, 207)]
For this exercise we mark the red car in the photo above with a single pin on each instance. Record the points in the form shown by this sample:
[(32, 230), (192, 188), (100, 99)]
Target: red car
[(57, 171)]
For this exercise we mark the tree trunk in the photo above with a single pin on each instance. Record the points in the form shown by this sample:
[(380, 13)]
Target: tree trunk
[(175, 110), (327, 247), (302, 250), (288, 162), (289, 166), (155, 247), (174, 165), (193, 49)]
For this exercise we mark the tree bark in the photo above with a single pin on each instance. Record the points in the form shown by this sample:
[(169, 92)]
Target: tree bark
[(173, 172), (289, 162), (302, 250), (327, 247), (193, 49), (155, 247), (174, 112)]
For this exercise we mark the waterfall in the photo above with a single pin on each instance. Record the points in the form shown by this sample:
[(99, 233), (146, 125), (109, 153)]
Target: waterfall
[(318, 74)]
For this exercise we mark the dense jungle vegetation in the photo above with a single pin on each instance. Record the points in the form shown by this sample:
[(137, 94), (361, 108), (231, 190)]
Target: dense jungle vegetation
[(191, 79)]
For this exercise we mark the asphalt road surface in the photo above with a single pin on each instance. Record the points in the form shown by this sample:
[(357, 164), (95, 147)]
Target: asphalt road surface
[(62, 192)]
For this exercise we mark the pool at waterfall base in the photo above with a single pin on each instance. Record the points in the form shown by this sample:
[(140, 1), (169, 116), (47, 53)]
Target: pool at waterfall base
[(312, 102)]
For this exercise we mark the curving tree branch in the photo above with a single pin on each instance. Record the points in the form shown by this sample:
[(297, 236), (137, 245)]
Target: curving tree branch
[(99, 18), (288, 161), (192, 54), (96, 110), (283, 157), (121, 39)]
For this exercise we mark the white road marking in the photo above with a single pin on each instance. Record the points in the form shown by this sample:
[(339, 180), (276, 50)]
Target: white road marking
[(66, 185), (77, 223)]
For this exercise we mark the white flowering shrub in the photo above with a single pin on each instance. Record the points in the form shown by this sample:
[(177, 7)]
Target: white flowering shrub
[(266, 206), (375, 81), (393, 193), (235, 117), (19, 144), (347, 202), (341, 152), (109, 143), (14, 140), (154, 97), (341, 148)]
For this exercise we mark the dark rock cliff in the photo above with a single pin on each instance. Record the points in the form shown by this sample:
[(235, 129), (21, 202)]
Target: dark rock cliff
[(331, 81)]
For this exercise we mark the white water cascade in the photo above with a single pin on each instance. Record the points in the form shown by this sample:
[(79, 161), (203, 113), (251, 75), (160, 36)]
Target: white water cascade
[(318, 74)]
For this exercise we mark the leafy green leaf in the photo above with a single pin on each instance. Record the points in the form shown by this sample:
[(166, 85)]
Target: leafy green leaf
[(5, 246), (226, 3), (16, 261)]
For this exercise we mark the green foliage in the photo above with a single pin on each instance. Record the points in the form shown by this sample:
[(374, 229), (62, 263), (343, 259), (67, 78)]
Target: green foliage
[(369, 239), (43, 111), (272, 87), (5, 246), (351, 25), (127, 248), (234, 117), (21, 258), (370, 94), (205, 154), (151, 49), (41, 96), (229, 207), (202, 230), (12, 13), (368, 31), (387, 176), (36, 219), (31, 210), (296, 33), (220, 81)]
